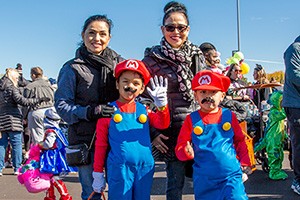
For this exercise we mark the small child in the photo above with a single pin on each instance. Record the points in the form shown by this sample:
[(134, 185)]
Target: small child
[(53, 159), (274, 137), (213, 138), (126, 137)]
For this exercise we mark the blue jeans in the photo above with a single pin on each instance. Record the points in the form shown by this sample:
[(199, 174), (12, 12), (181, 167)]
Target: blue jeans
[(293, 117), (175, 179), (15, 139), (86, 180)]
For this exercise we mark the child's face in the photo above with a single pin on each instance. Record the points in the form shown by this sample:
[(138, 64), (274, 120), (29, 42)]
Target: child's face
[(130, 85), (209, 100)]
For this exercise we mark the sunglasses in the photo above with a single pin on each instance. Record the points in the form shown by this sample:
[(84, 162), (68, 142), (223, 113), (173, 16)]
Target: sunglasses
[(236, 70), (171, 27)]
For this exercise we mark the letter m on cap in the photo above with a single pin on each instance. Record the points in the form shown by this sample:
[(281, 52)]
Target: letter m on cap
[(132, 64), (204, 80)]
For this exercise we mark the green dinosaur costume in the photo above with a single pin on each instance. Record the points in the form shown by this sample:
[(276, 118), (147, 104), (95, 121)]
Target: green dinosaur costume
[(274, 137)]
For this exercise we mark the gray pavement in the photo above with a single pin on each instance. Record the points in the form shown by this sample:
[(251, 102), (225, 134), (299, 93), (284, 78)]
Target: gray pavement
[(258, 186)]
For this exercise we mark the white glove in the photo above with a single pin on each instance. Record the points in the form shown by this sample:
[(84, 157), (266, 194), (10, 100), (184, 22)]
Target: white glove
[(99, 182), (159, 91)]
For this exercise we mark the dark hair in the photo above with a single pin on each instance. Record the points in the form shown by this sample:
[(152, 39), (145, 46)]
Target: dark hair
[(172, 7), (231, 69), (206, 46), (97, 18), (37, 71)]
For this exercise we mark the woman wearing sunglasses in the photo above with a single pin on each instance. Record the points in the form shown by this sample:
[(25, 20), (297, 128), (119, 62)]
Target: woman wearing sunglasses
[(177, 59), (235, 75)]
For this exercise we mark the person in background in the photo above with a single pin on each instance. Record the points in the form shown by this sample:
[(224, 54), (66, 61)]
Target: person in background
[(85, 87), (11, 118), (177, 59), (26, 133), (126, 136), (22, 82), (39, 87), (234, 74), (213, 138), (212, 57), (260, 76), (291, 104)]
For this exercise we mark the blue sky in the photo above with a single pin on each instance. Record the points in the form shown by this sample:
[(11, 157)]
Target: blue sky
[(47, 33)]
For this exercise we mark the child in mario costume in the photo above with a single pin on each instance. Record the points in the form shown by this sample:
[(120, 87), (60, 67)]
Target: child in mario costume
[(130, 164), (213, 138)]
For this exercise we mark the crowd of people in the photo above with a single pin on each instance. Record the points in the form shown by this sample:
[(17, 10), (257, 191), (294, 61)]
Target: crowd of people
[(171, 106)]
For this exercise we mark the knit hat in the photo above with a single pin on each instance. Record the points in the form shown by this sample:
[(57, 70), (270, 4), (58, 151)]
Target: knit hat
[(208, 80), (51, 119), (19, 68), (133, 65)]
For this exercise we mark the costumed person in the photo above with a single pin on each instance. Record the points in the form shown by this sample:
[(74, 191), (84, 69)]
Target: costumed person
[(213, 138), (274, 137), (53, 156), (126, 136), (29, 173)]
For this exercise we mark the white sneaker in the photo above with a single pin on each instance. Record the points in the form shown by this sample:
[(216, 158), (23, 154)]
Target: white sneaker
[(16, 173), (1, 174)]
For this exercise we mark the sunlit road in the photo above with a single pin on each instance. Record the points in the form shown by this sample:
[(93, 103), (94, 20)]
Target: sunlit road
[(258, 186)]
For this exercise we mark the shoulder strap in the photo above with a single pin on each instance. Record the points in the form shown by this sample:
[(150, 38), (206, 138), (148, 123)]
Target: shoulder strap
[(196, 118), (226, 116)]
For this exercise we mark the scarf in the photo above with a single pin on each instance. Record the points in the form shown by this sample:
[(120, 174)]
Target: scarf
[(104, 64), (97, 61), (183, 58)]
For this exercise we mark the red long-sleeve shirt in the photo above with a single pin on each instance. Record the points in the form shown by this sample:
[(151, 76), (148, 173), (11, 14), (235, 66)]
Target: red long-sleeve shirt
[(158, 120), (212, 118)]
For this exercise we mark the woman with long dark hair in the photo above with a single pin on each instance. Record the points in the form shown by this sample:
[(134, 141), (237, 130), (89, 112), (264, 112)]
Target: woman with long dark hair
[(85, 86)]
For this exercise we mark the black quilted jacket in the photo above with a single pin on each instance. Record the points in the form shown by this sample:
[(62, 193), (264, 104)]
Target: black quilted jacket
[(159, 65), (11, 100)]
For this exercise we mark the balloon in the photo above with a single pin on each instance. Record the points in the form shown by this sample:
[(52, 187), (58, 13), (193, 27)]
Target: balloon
[(239, 55), (245, 68), (232, 60)]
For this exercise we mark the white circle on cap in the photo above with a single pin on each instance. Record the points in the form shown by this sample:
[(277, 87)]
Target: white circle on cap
[(204, 80), (132, 64)]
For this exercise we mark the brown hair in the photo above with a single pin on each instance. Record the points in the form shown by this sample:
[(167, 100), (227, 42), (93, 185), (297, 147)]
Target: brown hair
[(37, 72), (228, 74)]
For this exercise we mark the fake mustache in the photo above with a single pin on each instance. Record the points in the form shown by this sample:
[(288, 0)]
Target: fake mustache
[(129, 89), (208, 99)]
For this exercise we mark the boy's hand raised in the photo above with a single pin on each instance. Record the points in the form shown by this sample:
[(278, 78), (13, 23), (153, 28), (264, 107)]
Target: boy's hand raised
[(159, 91)]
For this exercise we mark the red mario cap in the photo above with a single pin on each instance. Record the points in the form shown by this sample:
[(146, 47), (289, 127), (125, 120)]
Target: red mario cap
[(133, 65), (208, 80)]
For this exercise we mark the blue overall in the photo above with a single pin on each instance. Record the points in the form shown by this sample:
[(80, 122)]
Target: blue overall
[(130, 164), (217, 172)]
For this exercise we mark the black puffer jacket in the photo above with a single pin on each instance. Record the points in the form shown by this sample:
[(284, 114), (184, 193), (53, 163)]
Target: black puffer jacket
[(159, 65), (11, 101)]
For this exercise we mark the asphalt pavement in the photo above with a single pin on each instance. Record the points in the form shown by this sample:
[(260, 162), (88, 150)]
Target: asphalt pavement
[(258, 186)]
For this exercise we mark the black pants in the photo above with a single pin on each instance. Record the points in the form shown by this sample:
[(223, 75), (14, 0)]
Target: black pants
[(293, 117)]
